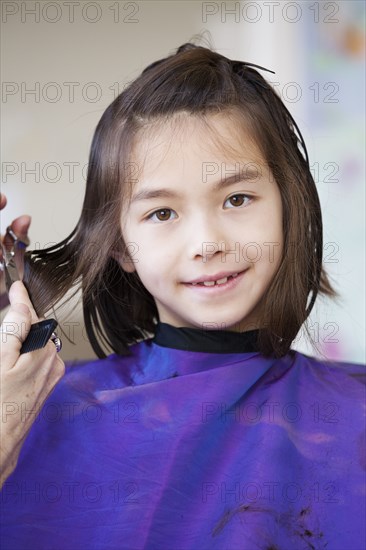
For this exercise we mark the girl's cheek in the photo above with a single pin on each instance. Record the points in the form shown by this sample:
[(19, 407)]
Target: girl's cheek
[(255, 251), (265, 251)]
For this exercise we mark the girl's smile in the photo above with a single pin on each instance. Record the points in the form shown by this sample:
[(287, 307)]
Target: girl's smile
[(185, 227), (216, 286), (219, 279)]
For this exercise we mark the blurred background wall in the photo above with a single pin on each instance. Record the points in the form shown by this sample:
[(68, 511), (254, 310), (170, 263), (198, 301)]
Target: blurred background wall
[(63, 63)]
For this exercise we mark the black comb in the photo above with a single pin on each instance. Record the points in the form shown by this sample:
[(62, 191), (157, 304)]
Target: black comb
[(39, 335)]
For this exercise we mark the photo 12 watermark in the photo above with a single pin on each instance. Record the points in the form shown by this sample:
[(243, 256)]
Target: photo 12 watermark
[(68, 171), (271, 412), (270, 491), (253, 172), (91, 13), (36, 92), (253, 252), (115, 491), (72, 412), (270, 12)]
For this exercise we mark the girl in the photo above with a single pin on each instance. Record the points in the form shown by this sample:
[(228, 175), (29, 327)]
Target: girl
[(199, 253)]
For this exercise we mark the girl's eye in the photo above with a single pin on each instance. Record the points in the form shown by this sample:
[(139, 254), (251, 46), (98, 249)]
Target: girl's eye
[(162, 215), (238, 199)]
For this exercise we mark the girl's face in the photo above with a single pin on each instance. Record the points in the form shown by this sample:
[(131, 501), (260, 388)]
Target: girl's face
[(188, 222)]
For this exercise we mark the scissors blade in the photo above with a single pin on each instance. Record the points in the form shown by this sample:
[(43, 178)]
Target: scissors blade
[(10, 268)]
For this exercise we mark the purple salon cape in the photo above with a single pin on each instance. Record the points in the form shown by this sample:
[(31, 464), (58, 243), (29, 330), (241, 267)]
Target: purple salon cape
[(194, 442)]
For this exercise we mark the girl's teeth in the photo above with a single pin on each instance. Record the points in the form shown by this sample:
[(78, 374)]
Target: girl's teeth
[(218, 282)]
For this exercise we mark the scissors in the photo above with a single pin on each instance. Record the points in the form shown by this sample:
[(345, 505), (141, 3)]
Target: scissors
[(42, 331)]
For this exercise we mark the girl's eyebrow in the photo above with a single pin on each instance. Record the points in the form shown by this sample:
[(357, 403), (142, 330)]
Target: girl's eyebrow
[(248, 173)]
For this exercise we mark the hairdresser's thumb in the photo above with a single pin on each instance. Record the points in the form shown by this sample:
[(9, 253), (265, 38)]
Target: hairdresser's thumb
[(14, 330), (18, 295)]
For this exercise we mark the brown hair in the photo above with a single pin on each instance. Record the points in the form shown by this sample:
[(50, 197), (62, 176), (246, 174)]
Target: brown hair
[(118, 310)]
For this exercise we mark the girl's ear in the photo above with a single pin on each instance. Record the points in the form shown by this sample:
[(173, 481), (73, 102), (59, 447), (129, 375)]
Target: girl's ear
[(125, 261)]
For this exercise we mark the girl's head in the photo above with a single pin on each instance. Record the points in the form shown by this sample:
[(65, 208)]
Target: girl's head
[(195, 171), (204, 205)]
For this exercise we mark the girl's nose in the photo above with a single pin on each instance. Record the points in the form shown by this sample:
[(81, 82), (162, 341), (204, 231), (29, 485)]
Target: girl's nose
[(206, 239)]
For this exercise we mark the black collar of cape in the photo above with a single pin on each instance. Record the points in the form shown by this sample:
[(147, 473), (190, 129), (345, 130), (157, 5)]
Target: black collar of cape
[(209, 341)]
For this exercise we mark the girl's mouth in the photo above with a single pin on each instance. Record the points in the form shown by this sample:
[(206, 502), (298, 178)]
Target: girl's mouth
[(226, 283), (218, 282)]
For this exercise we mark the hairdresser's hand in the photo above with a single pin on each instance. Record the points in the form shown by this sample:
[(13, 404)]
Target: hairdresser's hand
[(26, 380), (20, 227)]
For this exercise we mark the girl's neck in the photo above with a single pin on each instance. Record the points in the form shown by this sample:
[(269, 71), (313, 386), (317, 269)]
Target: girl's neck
[(211, 341)]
